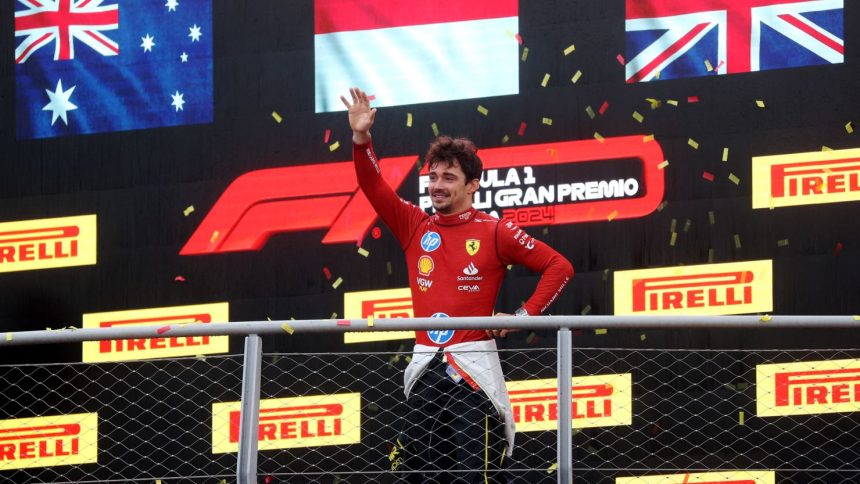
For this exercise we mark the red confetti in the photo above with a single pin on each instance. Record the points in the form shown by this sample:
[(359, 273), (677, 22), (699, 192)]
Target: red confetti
[(603, 107), (163, 329), (838, 248), (708, 176), (376, 232), (718, 66), (179, 279), (693, 99), (620, 59), (576, 332), (327, 273), (268, 479), (522, 129), (369, 98), (327, 136), (519, 39), (343, 322)]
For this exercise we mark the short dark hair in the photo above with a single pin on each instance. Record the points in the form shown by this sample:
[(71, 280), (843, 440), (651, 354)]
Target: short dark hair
[(447, 149)]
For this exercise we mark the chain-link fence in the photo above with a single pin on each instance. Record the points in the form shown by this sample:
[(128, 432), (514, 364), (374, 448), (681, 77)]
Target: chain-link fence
[(678, 416)]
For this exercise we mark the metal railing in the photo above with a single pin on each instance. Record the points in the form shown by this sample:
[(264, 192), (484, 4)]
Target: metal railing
[(246, 468)]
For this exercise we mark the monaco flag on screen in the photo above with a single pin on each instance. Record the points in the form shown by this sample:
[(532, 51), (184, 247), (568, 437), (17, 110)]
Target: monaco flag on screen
[(90, 66), (668, 39), (415, 52)]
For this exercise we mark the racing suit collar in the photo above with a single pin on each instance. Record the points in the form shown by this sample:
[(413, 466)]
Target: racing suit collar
[(455, 219)]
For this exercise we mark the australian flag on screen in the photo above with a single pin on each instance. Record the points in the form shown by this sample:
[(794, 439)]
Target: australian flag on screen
[(669, 39), (91, 66)]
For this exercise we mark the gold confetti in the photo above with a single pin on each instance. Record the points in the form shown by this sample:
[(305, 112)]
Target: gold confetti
[(590, 112), (333, 316), (223, 481), (408, 120), (289, 329), (849, 127), (334, 146), (547, 121), (600, 331), (552, 468), (363, 252), (277, 117), (482, 110), (605, 274), (657, 75), (737, 241), (525, 54), (545, 230), (826, 148), (759, 103), (765, 318), (505, 139), (215, 235), (662, 205), (598, 137), (734, 179), (708, 65), (337, 282), (856, 318), (710, 255), (8, 336), (725, 154), (510, 266), (638, 117), (673, 225), (370, 321), (782, 242), (435, 129), (188, 210), (672, 102), (687, 224), (693, 143), (612, 215), (545, 80), (673, 239), (576, 76), (570, 48), (741, 417), (388, 268), (711, 218), (655, 103), (585, 310), (642, 337), (664, 164)]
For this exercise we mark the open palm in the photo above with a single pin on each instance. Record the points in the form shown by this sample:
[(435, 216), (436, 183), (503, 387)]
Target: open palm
[(361, 116)]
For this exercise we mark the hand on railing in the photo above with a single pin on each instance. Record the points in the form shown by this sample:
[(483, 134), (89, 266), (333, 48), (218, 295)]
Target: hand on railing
[(500, 333)]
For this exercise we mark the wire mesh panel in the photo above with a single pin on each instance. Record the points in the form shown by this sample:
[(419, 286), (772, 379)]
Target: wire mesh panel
[(152, 418)]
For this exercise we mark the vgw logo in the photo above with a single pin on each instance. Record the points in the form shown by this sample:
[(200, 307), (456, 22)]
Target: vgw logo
[(263, 203)]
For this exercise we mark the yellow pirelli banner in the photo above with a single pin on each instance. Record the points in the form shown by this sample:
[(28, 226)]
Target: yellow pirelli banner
[(59, 440), (806, 178), (598, 401), (48, 243), (709, 289), (166, 347), (806, 388), (287, 423), (731, 477), (387, 303)]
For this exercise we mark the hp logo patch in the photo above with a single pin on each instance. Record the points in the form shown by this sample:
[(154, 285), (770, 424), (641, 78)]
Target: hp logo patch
[(440, 336), (431, 241)]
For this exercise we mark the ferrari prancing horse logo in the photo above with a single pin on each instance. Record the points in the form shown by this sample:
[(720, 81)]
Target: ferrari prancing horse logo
[(472, 246)]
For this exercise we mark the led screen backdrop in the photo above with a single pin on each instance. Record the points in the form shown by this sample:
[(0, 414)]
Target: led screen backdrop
[(731, 172)]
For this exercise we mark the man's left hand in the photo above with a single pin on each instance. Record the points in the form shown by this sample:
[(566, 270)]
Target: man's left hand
[(500, 333)]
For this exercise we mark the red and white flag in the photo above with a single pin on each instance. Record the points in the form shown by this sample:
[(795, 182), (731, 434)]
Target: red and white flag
[(415, 52)]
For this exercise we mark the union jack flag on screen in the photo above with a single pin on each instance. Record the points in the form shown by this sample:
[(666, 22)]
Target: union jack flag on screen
[(669, 39), (90, 66)]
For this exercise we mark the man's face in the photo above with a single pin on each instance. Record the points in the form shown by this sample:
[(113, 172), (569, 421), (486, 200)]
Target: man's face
[(449, 191)]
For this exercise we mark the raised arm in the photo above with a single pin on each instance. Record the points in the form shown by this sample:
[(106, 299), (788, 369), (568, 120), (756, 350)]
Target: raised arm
[(361, 116)]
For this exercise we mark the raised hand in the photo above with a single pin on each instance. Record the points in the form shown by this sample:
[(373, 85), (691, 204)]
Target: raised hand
[(361, 116)]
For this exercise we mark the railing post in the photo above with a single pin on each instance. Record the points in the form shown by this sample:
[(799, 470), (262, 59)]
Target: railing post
[(246, 465), (565, 404)]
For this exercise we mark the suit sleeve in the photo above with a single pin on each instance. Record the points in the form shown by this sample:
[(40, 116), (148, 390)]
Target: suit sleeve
[(515, 246), (400, 216)]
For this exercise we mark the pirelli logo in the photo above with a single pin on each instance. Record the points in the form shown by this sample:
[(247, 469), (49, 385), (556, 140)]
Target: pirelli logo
[(598, 401), (48, 441), (806, 178), (287, 423), (48, 243), (146, 348), (712, 289), (808, 388), (388, 303), (731, 477)]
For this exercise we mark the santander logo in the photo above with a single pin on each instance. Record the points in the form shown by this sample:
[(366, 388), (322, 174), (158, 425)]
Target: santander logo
[(470, 270)]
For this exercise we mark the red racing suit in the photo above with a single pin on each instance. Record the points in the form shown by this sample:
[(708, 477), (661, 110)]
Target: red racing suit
[(457, 262)]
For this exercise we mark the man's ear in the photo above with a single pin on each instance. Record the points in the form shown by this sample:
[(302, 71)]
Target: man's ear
[(473, 186)]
